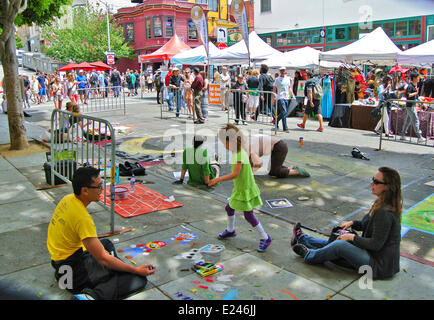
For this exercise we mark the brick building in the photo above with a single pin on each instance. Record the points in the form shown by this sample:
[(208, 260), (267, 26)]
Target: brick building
[(149, 25)]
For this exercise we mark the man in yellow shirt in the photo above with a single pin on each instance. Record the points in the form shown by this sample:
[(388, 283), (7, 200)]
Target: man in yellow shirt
[(83, 263)]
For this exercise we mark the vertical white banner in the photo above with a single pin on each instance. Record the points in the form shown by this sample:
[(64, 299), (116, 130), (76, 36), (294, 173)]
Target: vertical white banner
[(201, 23), (238, 10)]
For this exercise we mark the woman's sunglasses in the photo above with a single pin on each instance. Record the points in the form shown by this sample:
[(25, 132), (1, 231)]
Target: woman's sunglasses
[(375, 181)]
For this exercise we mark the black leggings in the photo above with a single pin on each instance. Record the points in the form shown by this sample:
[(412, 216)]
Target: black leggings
[(278, 156)]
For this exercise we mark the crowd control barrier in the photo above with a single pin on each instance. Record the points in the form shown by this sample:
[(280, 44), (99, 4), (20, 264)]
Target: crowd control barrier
[(104, 99), (79, 140), (178, 102), (240, 102), (395, 117)]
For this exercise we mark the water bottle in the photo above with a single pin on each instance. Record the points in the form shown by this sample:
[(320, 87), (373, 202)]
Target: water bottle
[(132, 184)]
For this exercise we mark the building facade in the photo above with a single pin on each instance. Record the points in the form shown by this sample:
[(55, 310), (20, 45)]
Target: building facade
[(330, 24), (149, 25)]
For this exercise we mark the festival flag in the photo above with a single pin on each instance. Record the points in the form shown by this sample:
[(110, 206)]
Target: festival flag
[(200, 21), (238, 10)]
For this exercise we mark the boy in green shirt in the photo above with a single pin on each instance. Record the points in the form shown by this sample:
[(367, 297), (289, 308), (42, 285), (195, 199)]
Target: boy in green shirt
[(196, 161)]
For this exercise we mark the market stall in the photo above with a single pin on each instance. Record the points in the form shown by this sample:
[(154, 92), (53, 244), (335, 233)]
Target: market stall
[(174, 46), (422, 55), (195, 56), (238, 53)]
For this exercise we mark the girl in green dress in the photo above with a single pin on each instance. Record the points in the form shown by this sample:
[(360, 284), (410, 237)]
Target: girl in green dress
[(245, 195)]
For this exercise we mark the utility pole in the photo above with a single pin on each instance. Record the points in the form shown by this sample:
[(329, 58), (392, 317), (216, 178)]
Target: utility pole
[(107, 9)]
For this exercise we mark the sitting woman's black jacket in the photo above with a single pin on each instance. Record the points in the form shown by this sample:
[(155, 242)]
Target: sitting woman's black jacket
[(381, 237)]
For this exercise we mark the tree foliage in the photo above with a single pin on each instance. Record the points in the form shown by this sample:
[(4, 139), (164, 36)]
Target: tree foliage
[(86, 40)]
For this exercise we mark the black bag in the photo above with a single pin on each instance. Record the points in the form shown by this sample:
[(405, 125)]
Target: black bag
[(128, 169), (268, 83), (356, 153), (376, 113), (65, 167), (337, 231)]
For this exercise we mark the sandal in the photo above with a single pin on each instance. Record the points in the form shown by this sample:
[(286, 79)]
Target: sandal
[(303, 173)]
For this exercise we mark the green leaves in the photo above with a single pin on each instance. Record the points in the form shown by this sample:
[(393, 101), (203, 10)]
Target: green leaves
[(85, 39)]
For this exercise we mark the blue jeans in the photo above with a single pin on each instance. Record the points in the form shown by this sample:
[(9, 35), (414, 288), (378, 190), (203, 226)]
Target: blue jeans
[(115, 85), (177, 97), (322, 251), (282, 109)]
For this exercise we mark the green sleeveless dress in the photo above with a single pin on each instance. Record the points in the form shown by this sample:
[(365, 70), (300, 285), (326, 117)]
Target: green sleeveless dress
[(246, 194)]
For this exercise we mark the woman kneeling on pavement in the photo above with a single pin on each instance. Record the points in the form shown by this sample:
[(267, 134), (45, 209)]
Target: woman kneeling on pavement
[(379, 244)]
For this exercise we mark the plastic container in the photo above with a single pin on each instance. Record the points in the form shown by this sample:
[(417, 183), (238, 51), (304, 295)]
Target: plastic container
[(301, 141), (121, 193), (132, 184)]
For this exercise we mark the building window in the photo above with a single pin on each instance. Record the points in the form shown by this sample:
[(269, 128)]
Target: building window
[(169, 27), (129, 32), (401, 28), (413, 27), (353, 33), (148, 33), (265, 6), (158, 27), (192, 32), (389, 28), (213, 5), (201, 1), (340, 33)]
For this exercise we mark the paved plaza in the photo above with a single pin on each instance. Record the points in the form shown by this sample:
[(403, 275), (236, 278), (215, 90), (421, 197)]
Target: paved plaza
[(338, 190)]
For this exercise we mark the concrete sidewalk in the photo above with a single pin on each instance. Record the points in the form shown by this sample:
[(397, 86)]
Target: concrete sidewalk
[(276, 274)]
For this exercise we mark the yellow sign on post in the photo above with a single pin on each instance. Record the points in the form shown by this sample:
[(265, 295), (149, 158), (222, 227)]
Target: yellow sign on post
[(215, 96)]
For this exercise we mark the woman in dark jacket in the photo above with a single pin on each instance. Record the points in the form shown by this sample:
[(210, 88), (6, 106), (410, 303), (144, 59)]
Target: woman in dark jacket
[(379, 244), (240, 99)]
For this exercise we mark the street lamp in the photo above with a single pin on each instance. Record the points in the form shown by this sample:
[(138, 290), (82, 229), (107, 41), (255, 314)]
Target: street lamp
[(107, 7)]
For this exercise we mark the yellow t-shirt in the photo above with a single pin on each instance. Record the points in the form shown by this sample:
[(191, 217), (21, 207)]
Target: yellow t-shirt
[(69, 225)]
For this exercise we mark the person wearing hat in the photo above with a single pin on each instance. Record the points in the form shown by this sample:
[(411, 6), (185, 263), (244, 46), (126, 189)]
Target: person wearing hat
[(313, 105), (82, 84), (174, 90), (196, 162), (283, 89)]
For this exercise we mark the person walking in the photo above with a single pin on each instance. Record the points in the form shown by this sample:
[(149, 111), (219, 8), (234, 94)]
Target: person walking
[(313, 102), (412, 94), (245, 194), (82, 83), (205, 101), (225, 86), (283, 89), (253, 85), (240, 99), (197, 87), (175, 90), (115, 79), (158, 82)]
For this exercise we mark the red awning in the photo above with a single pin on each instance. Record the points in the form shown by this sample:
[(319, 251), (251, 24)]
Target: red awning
[(174, 46), (85, 66), (100, 66), (69, 66), (398, 69)]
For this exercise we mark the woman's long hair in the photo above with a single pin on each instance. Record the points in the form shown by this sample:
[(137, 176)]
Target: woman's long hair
[(391, 198)]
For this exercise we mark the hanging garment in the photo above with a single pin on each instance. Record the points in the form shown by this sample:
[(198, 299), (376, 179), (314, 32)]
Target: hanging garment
[(327, 99)]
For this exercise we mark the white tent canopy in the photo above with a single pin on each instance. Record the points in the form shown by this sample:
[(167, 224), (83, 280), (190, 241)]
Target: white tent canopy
[(303, 58), (195, 56), (422, 55), (376, 48), (238, 54)]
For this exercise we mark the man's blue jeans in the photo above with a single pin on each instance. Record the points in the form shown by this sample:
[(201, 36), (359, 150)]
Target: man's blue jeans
[(174, 95), (116, 88), (282, 107), (322, 251)]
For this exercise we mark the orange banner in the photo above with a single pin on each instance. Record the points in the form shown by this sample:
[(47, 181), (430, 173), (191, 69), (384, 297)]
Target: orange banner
[(215, 96)]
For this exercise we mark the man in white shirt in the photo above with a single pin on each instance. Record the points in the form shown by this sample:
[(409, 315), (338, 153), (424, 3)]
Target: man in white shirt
[(282, 87), (225, 85)]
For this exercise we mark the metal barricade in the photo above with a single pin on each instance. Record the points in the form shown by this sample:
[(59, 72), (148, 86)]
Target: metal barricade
[(104, 99), (82, 140), (241, 104), (178, 101), (404, 124)]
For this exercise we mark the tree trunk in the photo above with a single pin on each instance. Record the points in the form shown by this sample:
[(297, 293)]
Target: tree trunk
[(14, 95)]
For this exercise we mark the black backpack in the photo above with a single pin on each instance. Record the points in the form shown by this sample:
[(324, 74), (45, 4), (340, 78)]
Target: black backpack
[(128, 169), (268, 83), (93, 78)]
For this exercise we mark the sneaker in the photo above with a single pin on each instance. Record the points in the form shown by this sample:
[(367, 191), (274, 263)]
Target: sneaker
[(301, 250), (320, 129), (264, 243), (421, 139), (226, 234), (86, 294), (296, 233), (300, 125)]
